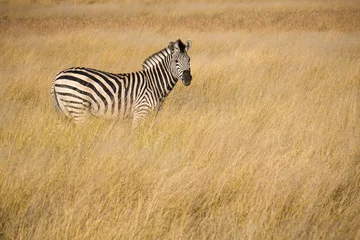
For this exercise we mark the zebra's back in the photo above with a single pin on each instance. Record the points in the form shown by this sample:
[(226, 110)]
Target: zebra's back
[(78, 92)]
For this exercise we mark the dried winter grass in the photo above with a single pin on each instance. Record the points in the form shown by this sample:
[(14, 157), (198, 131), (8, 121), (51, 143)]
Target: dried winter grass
[(262, 145)]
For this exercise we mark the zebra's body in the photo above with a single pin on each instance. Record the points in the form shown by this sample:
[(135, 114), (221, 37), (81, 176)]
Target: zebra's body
[(79, 92)]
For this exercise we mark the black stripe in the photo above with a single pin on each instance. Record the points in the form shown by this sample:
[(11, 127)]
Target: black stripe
[(117, 79), (128, 81), (142, 91), (111, 83), (71, 112), (152, 82), (100, 74), (119, 98), (95, 81), (79, 108), (68, 101), (133, 90), (76, 96), (161, 79), (167, 78)]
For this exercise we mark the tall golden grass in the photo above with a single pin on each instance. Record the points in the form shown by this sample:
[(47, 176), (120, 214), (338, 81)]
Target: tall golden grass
[(262, 145)]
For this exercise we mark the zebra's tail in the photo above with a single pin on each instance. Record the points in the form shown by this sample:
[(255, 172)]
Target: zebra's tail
[(54, 97)]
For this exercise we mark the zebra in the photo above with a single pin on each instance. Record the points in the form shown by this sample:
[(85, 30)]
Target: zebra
[(80, 92)]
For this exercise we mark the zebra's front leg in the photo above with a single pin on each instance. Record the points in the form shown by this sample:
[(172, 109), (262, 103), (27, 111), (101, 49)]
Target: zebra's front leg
[(139, 116)]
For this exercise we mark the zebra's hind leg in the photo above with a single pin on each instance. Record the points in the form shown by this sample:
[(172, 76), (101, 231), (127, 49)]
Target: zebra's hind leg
[(78, 111)]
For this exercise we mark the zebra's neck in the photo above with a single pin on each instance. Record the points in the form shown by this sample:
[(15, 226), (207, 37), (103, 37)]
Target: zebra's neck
[(156, 59), (157, 69)]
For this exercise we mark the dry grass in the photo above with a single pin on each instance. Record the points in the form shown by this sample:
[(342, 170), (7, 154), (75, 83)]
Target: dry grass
[(195, 17), (262, 145)]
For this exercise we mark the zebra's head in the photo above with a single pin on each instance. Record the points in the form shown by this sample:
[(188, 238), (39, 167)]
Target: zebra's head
[(180, 61)]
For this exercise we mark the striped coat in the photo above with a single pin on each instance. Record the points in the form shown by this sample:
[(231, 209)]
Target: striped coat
[(82, 92)]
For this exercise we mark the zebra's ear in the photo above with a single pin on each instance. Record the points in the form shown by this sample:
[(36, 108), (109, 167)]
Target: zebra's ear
[(171, 46), (174, 47), (188, 45)]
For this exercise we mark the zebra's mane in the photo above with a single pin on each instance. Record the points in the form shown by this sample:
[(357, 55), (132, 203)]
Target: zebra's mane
[(156, 58)]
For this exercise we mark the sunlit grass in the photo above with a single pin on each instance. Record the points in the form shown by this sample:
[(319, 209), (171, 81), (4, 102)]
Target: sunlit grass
[(261, 145)]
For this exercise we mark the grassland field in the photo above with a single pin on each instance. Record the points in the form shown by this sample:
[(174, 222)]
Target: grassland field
[(264, 144)]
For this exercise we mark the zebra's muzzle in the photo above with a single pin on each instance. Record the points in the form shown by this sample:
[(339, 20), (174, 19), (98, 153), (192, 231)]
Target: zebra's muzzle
[(186, 78)]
